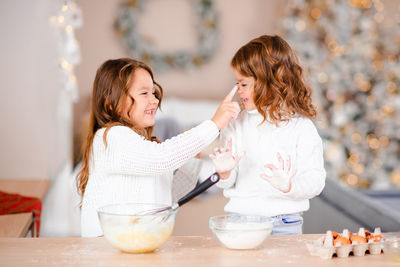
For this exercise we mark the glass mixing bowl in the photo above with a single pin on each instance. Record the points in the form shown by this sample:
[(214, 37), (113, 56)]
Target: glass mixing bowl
[(241, 231), (391, 248), (136, 233)]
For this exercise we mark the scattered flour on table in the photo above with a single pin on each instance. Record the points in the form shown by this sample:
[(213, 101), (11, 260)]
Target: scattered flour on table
[(271, 251)]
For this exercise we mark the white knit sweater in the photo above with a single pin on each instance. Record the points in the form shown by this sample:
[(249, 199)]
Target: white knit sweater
[(132, 169), (248, 192)]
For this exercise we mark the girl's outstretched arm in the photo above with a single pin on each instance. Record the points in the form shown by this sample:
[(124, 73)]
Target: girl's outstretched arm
[(129, 153)]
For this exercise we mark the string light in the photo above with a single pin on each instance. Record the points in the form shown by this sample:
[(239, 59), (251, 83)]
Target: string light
[(300, 25), (384, 141), (395, 177), (373, 143), (356, 138), (352, 179), (322, 77), (361, 3), (316, 13), (61, 19), (379, 6), (388, 110), (391, 87), (68, 18), (353, 159), (358, 168)]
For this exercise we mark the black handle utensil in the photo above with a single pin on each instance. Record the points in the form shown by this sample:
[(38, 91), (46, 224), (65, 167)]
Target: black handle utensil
[(213, 179)]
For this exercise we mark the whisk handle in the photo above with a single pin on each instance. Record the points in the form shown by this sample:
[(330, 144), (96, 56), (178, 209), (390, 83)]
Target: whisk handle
[(213, 179)]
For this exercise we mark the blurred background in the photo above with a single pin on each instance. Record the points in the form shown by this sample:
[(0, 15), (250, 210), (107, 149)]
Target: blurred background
[(349, 49)]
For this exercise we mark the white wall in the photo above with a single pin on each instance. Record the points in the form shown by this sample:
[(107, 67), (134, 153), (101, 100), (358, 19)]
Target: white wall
[(35, 133), (35, 111)]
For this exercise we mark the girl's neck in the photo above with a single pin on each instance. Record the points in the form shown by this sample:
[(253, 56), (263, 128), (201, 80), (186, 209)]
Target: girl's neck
[(253, 111)]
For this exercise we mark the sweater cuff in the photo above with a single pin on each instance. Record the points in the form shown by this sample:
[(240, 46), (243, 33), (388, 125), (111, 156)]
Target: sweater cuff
[(229, 182)]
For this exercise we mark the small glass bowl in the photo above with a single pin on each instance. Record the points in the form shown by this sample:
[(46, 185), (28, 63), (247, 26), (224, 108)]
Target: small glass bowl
[(241, 231), (391, 248), (136, 233)]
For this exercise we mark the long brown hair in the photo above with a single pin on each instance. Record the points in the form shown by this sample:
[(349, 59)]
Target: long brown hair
[(110, 91), (280, 88)]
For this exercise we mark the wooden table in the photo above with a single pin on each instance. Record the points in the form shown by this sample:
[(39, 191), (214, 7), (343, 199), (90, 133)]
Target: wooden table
[(179, 251), (17, 225)]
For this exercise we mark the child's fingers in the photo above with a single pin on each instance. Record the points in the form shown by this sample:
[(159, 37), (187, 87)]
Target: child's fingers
[(229, 146), (265, 177), (212, 156), (294, 173), (280, 159), (288, 163), (237, 158), (231, 94), (271, 167)]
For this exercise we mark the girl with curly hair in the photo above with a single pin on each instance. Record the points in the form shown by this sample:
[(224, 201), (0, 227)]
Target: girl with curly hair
[(283, 166)]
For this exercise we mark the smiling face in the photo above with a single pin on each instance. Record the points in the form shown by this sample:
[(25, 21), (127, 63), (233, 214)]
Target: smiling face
[(145, 104), (245, 90)]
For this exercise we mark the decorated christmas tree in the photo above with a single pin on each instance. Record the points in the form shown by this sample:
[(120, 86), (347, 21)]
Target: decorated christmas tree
[(351, 52)]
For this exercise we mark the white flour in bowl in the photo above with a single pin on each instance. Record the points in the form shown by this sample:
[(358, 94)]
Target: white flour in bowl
[(242, 236)]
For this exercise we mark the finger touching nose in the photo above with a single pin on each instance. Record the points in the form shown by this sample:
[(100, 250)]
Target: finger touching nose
[(231, 94)]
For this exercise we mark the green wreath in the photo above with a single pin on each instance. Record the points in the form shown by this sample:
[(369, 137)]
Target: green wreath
[(130, 11)]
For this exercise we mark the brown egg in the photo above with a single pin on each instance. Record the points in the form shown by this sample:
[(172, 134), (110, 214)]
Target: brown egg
[(334, 234), (367, 234), (350, 235), (340, 240), (358, 239), (377, 238)]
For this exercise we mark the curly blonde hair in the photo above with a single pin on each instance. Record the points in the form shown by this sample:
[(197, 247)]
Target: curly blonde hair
[(280, 88)]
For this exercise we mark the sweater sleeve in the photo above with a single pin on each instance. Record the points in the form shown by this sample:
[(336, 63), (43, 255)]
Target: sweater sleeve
[(309, 180), (129, 153)]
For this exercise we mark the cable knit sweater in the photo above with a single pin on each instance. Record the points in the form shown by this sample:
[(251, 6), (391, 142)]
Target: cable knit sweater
[(248, 192), (133, 169)]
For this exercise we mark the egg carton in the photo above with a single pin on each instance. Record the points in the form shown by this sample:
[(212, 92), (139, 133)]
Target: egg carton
[(346, 243)]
